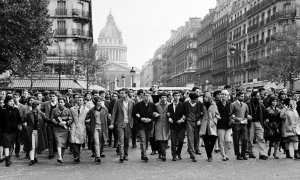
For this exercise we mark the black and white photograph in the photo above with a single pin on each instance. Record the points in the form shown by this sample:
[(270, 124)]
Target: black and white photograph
[(149, 89)]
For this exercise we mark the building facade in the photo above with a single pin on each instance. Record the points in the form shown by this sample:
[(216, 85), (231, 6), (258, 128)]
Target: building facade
[(205, 49), (147, 74), (263, 19), (111, 45), (72, 25), (238, 69), (220, 48)]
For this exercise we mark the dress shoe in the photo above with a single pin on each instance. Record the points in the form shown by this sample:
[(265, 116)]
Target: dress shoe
[(252, 156), (179, 157), (174, 158), (209, 160), (121, 160), (51, 156), (77, 160), (145, 158), (224, 159), (153, 153), (17, 155), (194, 160), (31, 163), (296, 155), (163, 158), (60, 161), (97, 160), (245, 158), (227, 158), (239, 158), (198, 152), (263, 157), (35, 160), (125, 159), (2, 160), (7, 161), (288, 155), (93, 155), (102, 155)]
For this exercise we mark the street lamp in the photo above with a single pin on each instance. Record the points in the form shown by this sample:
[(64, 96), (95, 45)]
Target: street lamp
[(132, 73), (123, 79), (232, 50), (117, 80), (206, 84)]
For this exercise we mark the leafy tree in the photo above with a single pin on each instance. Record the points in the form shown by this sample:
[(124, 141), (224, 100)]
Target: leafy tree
[(284, 60), (89, 65), (25, 34)]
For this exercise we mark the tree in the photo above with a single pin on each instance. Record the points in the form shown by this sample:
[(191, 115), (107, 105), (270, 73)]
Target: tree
[(284, 59), (89, 65), (25, 34)]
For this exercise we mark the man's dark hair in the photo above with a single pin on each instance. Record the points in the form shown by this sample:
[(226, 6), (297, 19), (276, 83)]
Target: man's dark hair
[(139, 92), (227, 86), (127, 91), (163, 94), (238, 94), (193, 95), (175, 92), (195, 88), (261, 89), (254, 93), (101, 92)]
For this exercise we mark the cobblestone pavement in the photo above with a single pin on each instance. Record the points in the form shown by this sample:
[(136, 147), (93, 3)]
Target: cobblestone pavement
[(135, 168)]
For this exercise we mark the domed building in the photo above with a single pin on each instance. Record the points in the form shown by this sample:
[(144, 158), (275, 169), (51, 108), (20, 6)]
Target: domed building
[(110, 44)]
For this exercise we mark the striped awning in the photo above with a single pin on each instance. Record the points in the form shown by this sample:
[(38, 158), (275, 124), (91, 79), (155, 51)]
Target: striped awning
[(44, 84)]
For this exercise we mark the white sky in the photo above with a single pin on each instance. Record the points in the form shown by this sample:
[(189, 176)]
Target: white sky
[(146, 24)]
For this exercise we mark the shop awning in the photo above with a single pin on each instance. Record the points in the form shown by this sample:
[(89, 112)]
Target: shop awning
[(91, 87), (44, 84)]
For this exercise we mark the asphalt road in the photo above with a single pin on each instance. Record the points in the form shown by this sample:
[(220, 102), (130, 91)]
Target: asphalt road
[(135, 168)]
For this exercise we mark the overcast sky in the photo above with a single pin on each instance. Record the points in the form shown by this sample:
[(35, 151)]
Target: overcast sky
[(146, 24)]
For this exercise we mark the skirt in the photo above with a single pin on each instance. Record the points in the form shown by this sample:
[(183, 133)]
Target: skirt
[(8, 139), (290, 139), (61, 137)]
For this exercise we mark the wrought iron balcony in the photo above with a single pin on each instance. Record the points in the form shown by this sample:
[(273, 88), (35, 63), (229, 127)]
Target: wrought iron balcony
[(60, 32)]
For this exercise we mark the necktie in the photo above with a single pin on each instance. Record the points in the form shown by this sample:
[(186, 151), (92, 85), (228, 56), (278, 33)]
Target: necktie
[(176, 105), (78, 110)]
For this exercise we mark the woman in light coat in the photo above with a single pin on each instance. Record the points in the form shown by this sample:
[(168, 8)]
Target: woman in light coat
[(208, 128), (77, 127), (290, 127)]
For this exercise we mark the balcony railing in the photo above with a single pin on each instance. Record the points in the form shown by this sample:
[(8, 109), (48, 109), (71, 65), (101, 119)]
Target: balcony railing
[(261, 42), (262, 23), (263, 4), (60, 32), (268, 20), (61, 11), (252, 46), (80, 14), (80, 32), (253, 27)]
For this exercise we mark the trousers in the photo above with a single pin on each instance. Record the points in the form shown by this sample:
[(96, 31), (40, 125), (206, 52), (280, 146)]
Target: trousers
[(177, 138), (123, 140), (240, 132)]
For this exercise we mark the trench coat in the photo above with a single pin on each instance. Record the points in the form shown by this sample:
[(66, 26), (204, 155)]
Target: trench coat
[(162, 123), (209, 120), (41, 131), (77, 126)]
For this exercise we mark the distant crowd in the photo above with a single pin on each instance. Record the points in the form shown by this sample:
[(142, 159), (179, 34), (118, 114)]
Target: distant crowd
[(97, 120)]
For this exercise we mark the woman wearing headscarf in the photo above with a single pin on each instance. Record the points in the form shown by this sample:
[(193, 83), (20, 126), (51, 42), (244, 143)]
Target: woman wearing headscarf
[(61, 117), (10, 124), (272, 126), (35, 132)]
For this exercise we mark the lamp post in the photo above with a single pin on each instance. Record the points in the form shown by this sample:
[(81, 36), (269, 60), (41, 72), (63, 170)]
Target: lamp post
[(132, 73), (117, 80), (232, 50), (59, 67), (206, 84), (123, 79)]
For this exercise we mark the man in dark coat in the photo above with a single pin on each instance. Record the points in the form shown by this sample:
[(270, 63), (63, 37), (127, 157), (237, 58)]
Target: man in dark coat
[(177, 126), (144, 113)]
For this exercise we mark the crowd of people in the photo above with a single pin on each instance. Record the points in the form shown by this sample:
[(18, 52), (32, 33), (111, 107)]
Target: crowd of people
[(98, 119)]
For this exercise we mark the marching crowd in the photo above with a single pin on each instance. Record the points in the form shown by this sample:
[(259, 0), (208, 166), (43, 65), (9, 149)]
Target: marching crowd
[(56, 122)]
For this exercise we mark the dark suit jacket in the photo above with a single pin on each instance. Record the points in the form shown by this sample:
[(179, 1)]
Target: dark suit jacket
[(145, 112), (46, 106), (177, 115), (118, 114), (91, 115)]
